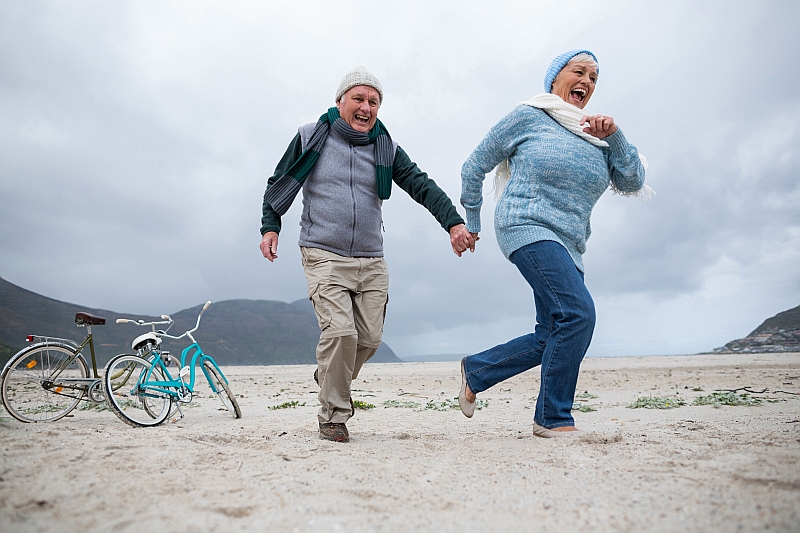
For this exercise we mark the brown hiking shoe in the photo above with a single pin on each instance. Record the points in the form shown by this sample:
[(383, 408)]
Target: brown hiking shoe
[(334, 432)]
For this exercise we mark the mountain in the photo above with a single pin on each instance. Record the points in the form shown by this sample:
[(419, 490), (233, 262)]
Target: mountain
[(234, 332), (780, 333), (786, 320)]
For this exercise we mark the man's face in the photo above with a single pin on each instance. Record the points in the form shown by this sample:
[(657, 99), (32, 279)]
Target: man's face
[(359, 107)]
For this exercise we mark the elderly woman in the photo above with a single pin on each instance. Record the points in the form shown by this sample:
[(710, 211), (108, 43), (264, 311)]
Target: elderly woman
[(553, 164)]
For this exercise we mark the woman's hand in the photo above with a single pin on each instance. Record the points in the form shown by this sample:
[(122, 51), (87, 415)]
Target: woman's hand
[(476, 238), (462, 240), (599, 126)]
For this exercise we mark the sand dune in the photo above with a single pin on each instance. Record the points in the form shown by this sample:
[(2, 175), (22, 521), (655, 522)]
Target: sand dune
[(694, 468)]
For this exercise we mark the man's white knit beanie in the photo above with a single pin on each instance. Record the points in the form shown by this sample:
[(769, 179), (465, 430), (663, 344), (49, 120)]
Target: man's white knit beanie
[(358, 76)]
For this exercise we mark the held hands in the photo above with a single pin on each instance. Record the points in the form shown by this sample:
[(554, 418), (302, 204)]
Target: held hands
[(269, 245), (599, 126), (461, 239)]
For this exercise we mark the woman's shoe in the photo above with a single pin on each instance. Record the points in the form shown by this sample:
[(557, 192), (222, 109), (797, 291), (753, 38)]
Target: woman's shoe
[(540, 431), (468, 408)]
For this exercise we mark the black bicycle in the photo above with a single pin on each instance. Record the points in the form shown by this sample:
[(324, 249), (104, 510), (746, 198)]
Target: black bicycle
[(47, 380)]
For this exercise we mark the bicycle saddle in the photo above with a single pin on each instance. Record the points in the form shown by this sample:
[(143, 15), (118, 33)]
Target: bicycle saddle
[(142, 340), (85, 319)]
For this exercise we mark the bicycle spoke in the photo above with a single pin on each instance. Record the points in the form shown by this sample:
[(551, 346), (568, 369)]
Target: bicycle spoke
[(136, 391), (40, 384)]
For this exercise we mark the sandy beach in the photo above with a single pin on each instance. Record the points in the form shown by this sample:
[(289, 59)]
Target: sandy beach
[(693, 468)]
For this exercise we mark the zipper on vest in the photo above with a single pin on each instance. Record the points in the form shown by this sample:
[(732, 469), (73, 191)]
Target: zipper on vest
[(352, 197)]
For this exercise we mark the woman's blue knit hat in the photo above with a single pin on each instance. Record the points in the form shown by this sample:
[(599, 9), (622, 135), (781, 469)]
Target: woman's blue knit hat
[(559, 63)]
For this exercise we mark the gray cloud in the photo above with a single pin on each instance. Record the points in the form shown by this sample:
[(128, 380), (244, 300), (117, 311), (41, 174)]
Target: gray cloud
[(137, 139)]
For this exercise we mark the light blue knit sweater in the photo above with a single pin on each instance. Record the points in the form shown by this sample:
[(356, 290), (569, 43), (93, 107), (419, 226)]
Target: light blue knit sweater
[(556, 179)]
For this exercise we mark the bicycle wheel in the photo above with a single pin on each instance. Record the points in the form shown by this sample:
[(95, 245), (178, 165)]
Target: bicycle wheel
[(121, 375), (36, 384), (136, 395), (220, 387)]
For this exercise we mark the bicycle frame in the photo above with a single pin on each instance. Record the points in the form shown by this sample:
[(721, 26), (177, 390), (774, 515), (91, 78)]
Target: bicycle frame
[(175, 387), (56, 384), (171, 386)]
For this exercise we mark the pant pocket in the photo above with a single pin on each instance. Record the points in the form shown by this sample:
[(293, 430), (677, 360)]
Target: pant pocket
[(324, 317)]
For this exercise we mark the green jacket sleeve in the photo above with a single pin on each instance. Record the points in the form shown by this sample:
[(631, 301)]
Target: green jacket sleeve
[(270, 220), (408, 176)]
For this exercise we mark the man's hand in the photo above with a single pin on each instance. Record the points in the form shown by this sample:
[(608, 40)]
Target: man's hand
[(461, 239), (269, 245), (599, 126)]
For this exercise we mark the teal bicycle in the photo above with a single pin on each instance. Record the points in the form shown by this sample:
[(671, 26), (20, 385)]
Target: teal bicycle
[(140, 389)]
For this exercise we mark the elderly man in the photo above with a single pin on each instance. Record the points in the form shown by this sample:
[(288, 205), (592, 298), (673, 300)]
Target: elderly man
[(345, 164)]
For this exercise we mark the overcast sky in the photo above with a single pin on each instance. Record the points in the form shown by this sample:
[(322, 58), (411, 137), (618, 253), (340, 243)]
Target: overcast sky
[(136, 140)]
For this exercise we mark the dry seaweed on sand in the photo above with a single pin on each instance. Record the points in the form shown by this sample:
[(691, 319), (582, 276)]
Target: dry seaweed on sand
[(656, 402), (443, 405), (286, 405), (584, 396), (402, 404), (452, 404), (720, 398), (432, 405), (91, 406)]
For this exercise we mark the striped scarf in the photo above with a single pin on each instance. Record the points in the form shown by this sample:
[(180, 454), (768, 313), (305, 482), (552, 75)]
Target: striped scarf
[(282, 192)]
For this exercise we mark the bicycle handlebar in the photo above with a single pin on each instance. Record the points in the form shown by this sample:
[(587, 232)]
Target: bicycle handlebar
[(168, 320), (197, 325)]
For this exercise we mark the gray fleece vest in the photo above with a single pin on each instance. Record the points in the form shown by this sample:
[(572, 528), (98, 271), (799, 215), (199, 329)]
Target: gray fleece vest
[(341, 208)]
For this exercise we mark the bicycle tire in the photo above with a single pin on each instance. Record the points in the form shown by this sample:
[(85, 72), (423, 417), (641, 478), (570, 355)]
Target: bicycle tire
[(160, 376), (133, 402), (217, 381), (29, 391)]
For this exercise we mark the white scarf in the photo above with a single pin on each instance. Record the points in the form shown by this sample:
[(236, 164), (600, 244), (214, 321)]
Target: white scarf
[(569, 117)]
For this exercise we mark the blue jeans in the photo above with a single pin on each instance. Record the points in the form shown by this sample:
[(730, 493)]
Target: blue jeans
[(564, 325)]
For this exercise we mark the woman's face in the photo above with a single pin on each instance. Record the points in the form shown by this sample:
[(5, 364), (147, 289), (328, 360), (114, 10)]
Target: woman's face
[(575, 83)]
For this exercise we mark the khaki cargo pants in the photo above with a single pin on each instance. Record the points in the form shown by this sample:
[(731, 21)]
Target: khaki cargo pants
[(349, 296)]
